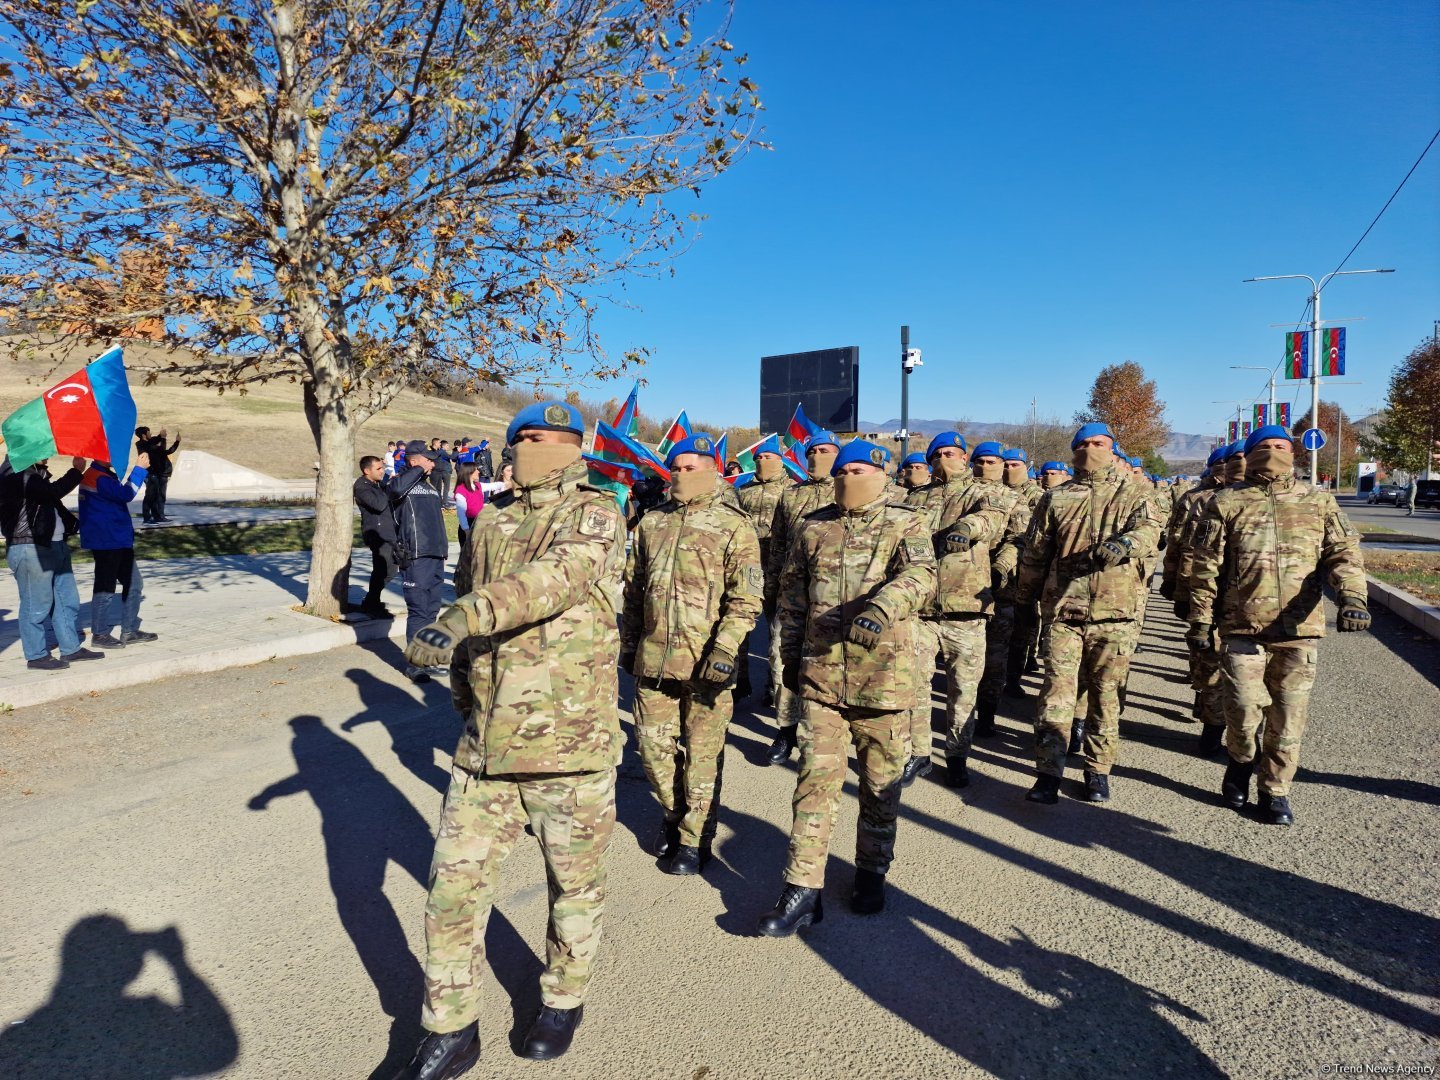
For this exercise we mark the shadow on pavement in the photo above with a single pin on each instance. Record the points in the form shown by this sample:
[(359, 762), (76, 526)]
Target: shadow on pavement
[(416, 730), (1390, 788), (91, 1027)]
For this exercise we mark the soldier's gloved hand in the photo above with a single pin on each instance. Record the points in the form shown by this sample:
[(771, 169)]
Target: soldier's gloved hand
[(1003, 577), (719, 668), (1167, 589), (1201, 637), (866, 628), (433, 644), (1354, 614), (957, 540), (1110, 553), (1182, 610), (790, 676)]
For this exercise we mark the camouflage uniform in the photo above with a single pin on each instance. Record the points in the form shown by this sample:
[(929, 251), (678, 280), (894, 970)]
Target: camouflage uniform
[(1188, 511), (796, 504), (840, 563), (1091, 610), (761, 500), (953, 622), (1001, 626), (541, 741), (1025, 634), (693, 587), (1262, 551)]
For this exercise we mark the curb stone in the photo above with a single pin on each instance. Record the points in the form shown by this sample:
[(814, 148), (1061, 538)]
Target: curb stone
[(1411, 608)]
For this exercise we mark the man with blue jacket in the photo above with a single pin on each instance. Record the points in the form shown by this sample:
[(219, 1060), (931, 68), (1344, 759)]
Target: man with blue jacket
[(107, 531)]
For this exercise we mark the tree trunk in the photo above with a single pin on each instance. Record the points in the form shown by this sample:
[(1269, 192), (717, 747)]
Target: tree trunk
[(329, 589)]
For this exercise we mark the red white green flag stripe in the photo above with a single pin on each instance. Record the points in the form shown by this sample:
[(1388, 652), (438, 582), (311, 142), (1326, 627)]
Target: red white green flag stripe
[(1332, 351), (1297, 354), (90, 414)]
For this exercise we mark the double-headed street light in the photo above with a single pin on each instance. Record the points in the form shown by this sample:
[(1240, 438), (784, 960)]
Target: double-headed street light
[(1271, 372), (1315, 325)]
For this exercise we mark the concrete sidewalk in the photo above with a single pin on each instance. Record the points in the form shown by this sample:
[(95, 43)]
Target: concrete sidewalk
[(211, 613)]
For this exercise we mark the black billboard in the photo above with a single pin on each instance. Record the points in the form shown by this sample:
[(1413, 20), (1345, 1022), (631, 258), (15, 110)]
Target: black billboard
[(825, 382)]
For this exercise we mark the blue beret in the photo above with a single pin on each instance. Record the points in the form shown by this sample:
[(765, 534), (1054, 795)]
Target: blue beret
[(1120, 453), (1089, 431), (698, 443), (1269, 431), (916, 458), (1236, 447), (944, 439), (1216, 456), (1054, 466), (1014, 454), (770, 445), (1135, 462), (546, 416), (860, 450), (989, 448), (821, 438)]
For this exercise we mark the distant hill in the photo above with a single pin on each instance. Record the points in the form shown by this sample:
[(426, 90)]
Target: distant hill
[(1178, 448)]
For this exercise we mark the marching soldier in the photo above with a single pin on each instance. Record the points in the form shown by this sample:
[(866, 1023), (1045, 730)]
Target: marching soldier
[(914, 472), (1078, 560), (534, 675), (1053, 474), (797, 502), (857, 573), (761, 500), (1025, 629), (988, 461), (693, 588), (1272, 541)]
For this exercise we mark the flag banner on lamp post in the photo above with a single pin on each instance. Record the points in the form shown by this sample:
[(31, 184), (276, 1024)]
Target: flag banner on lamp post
[(1262, 415), (1282, 415), (1332, 351), (1234, 430), (1297, 354)]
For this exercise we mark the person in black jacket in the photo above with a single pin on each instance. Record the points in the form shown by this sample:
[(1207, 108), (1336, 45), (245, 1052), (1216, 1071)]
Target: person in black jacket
[(421, 544), (485, 462), (158, 477), (37, 528), (377, 526), (444, 471)]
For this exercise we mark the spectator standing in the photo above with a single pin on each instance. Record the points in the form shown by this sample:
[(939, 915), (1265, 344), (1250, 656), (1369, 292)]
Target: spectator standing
[(444, 470), (389, 460), (421, 544), (107, 531), (157, 478), (1410, 494), (469, 501), (377, 527), (36, 528), (400, 458), (484, 460)]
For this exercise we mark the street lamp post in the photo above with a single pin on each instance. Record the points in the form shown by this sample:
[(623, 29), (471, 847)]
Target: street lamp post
[(1315, 325), (1271, 370)]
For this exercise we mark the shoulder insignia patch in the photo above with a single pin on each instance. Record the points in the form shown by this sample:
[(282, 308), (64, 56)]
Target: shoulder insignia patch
[(557, 414), (755, 579), (599, 521), (919, 549)]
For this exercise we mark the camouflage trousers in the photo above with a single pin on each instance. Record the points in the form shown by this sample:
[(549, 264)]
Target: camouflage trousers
[(1267, 683), (681, 729), (998, 631), (1099, 655), (961, 645), (1209, 693), (789, 708), (882, 745), (1024, 641), (572, 817)]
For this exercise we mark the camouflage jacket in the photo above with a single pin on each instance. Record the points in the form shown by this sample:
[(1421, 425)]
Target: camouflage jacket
[(1029, 493), (761, 499), (1187, 511), (798, 501), (963, 580), (1069, 523), (539, 692), (692, 583), (841, 562), (1005, 559), (1267, 549)]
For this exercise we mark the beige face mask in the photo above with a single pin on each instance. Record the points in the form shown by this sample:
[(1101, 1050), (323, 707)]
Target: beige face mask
[(916, 477), (1054, 479), (949, 468), (768, 467), (1269, 464), (821, 462), (692, 484), (853, 492), (988, 469), (536, 460), (1235, 470), (1014, 478), (1092, 458)]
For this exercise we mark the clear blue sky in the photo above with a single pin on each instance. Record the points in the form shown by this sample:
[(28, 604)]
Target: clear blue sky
[(1040, 189)]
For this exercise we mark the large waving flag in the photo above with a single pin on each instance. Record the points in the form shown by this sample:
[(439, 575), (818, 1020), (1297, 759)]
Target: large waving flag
[(610, 445), (722, 447), (801, 428), (679, 429), (612, 476), (627, 420), (91, 414)]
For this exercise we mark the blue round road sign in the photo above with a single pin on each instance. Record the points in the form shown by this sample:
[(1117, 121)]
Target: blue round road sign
[(1313, 439)]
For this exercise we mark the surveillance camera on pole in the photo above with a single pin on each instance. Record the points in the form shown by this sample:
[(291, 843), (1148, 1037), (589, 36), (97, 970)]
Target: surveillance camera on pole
[(912, 360)]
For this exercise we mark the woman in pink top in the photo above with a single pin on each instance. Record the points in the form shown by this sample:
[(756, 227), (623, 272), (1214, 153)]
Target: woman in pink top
[(469, 501)]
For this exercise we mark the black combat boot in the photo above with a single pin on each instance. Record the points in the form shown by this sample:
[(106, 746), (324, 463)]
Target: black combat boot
[(783, 744), (1235, 788), (1046, 790), (984, 720), (443, 1056), (916, 766), (1013, 687), (797, 907), (1274, 809), (667, 839), (1097, 787), (551, 1034), (868, 897), (956, 774), (1077, 737), (1211, 736), (685, 863)]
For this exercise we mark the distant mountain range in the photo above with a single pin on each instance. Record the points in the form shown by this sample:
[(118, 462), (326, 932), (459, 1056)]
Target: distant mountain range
[(1178, 448)]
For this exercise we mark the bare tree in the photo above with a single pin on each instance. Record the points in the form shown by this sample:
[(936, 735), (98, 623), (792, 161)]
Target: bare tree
[(355, 195)]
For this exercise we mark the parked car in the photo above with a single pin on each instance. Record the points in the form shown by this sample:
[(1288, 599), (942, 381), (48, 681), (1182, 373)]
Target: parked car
[(1394, 494), (1428, 494)]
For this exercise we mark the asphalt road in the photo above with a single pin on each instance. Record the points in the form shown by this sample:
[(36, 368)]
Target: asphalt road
[(224, 875), (1424, 523)]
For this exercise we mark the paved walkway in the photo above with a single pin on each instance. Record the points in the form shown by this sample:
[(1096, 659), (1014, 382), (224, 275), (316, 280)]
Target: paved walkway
[(211, 613)]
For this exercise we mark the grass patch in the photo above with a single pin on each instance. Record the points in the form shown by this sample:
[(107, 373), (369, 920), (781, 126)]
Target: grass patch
[(1417, 572), (1367, 529)]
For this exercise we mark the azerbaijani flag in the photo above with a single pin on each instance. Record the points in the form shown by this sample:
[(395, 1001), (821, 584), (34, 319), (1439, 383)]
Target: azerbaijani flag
[(1297, 354), (746, 457), (739, 480), (627, 420), (800, 428), (91, 414), (1262, 415), (679, 429), (722, 446), (1234, 430), (610, 445), (1282, 414), (1332, 351), (613, 477)]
